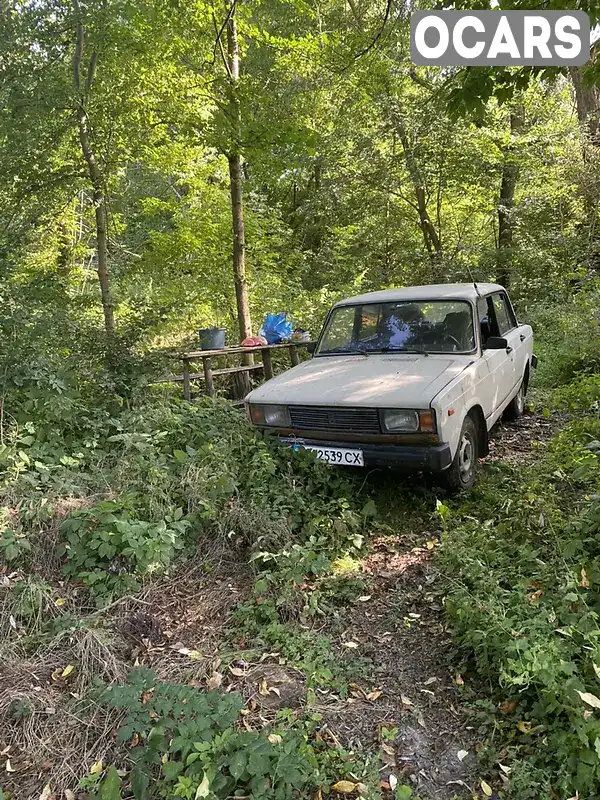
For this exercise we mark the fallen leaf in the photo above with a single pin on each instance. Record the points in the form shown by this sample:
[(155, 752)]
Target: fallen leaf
[(344, 787), (506, 770), (263, 688), (535, 596), (8, 766), (462, 754), (204, 789), (274, 738), (67, 671), (393, 781), (275, 690), (318, 795), (237, 671), (60, 601), (486, 789), (585, 581), (46, 792), (374, 694), (215, 680), (361, 788), (352, 645), (507, 707), (96, 767), (429, 681), (406, 701), (590, 699), (431, 544), (524, 727), (365, 598), (459, 681), (13, 622)]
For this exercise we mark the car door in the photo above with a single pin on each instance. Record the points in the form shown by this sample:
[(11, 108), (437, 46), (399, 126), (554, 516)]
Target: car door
[(507, 326), (497, 385), (520, 339)]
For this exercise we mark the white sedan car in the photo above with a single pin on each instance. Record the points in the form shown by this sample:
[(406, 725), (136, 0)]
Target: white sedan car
[(412, 378)]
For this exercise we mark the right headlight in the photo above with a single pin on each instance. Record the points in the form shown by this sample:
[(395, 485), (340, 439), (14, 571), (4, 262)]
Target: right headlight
[(270, 414)]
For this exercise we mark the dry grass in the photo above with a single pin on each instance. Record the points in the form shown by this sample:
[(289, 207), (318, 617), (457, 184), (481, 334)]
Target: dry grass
[(52, 729)]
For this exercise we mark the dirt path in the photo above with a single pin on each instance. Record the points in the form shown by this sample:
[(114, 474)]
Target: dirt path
[(414, 715)]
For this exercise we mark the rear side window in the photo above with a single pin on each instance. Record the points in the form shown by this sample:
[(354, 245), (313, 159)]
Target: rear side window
[(505, 317)]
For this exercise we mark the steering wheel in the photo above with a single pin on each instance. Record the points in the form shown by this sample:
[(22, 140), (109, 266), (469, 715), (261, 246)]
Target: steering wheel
[(445, 337)]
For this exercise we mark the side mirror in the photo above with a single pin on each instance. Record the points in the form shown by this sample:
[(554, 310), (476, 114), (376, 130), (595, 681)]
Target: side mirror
[(496, 343), (311, 347)]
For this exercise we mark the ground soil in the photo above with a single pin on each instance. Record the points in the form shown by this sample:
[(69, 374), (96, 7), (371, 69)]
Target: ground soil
[(402, 628)]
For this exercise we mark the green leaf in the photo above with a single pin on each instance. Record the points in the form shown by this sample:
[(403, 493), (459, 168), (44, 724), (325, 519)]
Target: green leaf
[(237, 764), (111, 786), (139, 783)]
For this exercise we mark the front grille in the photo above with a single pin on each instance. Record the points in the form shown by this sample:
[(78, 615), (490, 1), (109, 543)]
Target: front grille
[(359, 420)]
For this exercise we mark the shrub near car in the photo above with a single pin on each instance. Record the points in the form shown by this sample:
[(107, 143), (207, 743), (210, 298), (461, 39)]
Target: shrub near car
[(411, 378)]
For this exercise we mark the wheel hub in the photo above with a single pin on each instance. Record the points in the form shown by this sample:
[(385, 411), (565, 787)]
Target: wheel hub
[(465, 457)]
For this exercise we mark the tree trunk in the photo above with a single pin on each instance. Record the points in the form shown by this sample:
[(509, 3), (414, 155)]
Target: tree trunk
[(587, 98), (431, 238), (236, 180), (95, 175), (506, 200)]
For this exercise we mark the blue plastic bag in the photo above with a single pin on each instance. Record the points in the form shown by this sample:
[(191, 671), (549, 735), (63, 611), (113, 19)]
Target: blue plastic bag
[(276, 328)]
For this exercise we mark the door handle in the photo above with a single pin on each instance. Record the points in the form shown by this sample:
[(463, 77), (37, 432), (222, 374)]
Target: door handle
[(522, 337), (509, 350)]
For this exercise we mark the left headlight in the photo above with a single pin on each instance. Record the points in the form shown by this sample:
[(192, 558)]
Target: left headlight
[(269, 414), (398, 420)]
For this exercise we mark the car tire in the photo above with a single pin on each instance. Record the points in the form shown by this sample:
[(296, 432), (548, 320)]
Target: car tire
[(516, 407), (462, 473)]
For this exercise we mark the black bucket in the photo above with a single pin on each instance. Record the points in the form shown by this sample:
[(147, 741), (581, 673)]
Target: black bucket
[(212, 338)]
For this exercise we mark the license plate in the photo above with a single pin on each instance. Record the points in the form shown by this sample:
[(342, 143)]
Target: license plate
[(342, 456)]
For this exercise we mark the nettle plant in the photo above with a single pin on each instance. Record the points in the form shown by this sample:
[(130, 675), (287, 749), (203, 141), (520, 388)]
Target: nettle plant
[(189, 746), (109, 549)]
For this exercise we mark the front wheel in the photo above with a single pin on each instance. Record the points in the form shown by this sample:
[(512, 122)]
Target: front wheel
[(516, 407), (462, 473)]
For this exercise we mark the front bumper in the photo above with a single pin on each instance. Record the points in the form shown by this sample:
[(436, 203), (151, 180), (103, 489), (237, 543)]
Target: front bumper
[(413, 458)]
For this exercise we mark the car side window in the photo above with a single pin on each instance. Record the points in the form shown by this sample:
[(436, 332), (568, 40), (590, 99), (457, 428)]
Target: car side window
[(486, 318), (504, 313)]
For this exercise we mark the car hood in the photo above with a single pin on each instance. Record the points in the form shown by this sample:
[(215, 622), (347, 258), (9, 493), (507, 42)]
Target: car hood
[(375, 381)]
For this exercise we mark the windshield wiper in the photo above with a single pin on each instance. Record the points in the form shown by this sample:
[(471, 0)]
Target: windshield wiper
[(354, 351), (420, 351), (348, 351)]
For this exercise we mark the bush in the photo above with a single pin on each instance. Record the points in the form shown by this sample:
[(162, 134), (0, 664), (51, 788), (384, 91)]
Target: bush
[(109, 549), (524, 553), (567, 337), (188, 745)]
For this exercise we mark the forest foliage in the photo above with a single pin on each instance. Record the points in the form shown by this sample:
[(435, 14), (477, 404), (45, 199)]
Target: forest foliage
[(125, 133)]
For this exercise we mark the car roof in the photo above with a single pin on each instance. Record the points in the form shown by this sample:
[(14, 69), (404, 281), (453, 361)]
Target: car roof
[(436, 291)]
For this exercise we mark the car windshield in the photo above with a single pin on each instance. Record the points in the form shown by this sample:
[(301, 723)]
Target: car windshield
[(432, 326)]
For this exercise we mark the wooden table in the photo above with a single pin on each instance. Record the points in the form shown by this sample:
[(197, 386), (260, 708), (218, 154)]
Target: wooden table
[(208, 373)]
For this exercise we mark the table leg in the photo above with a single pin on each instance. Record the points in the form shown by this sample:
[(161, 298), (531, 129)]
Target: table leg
[(187, 395), (294, 355), (267, 363), (208, 377)]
